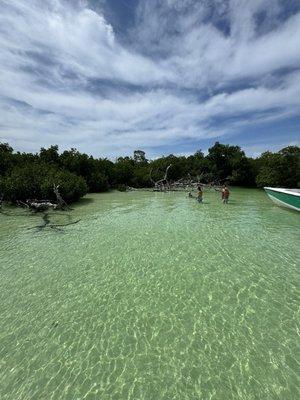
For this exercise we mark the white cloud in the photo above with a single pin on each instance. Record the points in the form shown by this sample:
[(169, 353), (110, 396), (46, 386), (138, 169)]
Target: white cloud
[(51, 52)]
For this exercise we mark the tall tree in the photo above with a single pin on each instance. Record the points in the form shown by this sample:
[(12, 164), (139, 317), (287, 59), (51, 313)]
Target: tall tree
[(139, 156), (50, 155), (5, 157)]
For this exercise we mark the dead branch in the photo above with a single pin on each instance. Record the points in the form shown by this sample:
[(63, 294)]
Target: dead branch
[(130, 188), (61, 202), (40, 205), (43, 205), (163, 184)]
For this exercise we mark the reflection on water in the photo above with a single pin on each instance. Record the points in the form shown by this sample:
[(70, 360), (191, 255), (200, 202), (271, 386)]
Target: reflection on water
[(151, 296)]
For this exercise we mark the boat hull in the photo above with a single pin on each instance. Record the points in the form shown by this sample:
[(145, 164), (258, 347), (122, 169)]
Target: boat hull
[(284, 197)]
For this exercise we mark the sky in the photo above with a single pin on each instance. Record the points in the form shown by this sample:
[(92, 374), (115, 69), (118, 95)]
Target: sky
[(165, 76)]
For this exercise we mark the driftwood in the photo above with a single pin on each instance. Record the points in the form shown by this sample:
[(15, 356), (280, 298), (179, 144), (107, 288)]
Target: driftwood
[(130, 188), (163, 184), (43, 205), (61, 202), (187, 184), (205, 180)]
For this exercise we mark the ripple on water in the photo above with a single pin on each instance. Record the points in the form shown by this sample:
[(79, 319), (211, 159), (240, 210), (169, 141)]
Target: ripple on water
[(152, 296)]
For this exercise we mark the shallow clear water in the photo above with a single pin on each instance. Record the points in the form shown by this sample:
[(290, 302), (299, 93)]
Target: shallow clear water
[(151, 296)]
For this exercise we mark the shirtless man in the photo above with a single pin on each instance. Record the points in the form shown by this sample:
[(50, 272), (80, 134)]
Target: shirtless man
[(225, 194)]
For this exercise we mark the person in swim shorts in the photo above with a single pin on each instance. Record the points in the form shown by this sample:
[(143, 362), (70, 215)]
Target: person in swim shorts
[(225, 194)]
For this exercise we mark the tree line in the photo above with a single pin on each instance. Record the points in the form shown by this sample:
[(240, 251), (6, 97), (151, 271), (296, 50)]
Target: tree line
[(27, 175)]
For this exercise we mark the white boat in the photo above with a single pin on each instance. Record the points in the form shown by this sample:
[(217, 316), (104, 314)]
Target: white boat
[(289, 198)]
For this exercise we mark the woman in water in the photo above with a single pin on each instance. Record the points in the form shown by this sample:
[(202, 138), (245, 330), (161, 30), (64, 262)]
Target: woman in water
[(200, 194)]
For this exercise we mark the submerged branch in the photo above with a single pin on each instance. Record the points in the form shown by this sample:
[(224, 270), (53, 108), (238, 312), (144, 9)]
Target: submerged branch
[(47, 223), (67, 224)]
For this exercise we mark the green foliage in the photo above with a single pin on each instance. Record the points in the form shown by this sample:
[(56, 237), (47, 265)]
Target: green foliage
[(26, 175), (97, 182), (242, 171), (5, 148), (124, 171), (139, 156), (291, 155), (141, 177), (22, 183), (121, 188), (5, 158), (71, 186), (36, 180), (223, 157), (97, 173), (280, 169), (50, 155)]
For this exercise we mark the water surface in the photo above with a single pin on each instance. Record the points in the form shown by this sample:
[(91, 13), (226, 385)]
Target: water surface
[(151, 296)]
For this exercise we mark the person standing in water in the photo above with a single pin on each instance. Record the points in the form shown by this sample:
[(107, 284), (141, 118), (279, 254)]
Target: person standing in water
[(200, 194), (225, 194)]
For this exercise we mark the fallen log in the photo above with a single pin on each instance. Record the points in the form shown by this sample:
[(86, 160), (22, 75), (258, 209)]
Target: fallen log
[(43, 205), (40, 205)]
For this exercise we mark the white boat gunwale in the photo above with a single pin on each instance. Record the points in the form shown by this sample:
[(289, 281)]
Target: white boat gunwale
[(288, 198), (293, 192)]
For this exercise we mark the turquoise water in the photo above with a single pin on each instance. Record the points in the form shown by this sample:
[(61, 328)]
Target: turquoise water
[(151, 296)]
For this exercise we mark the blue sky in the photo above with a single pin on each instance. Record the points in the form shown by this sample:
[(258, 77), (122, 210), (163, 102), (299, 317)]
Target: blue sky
[(171, 76)]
